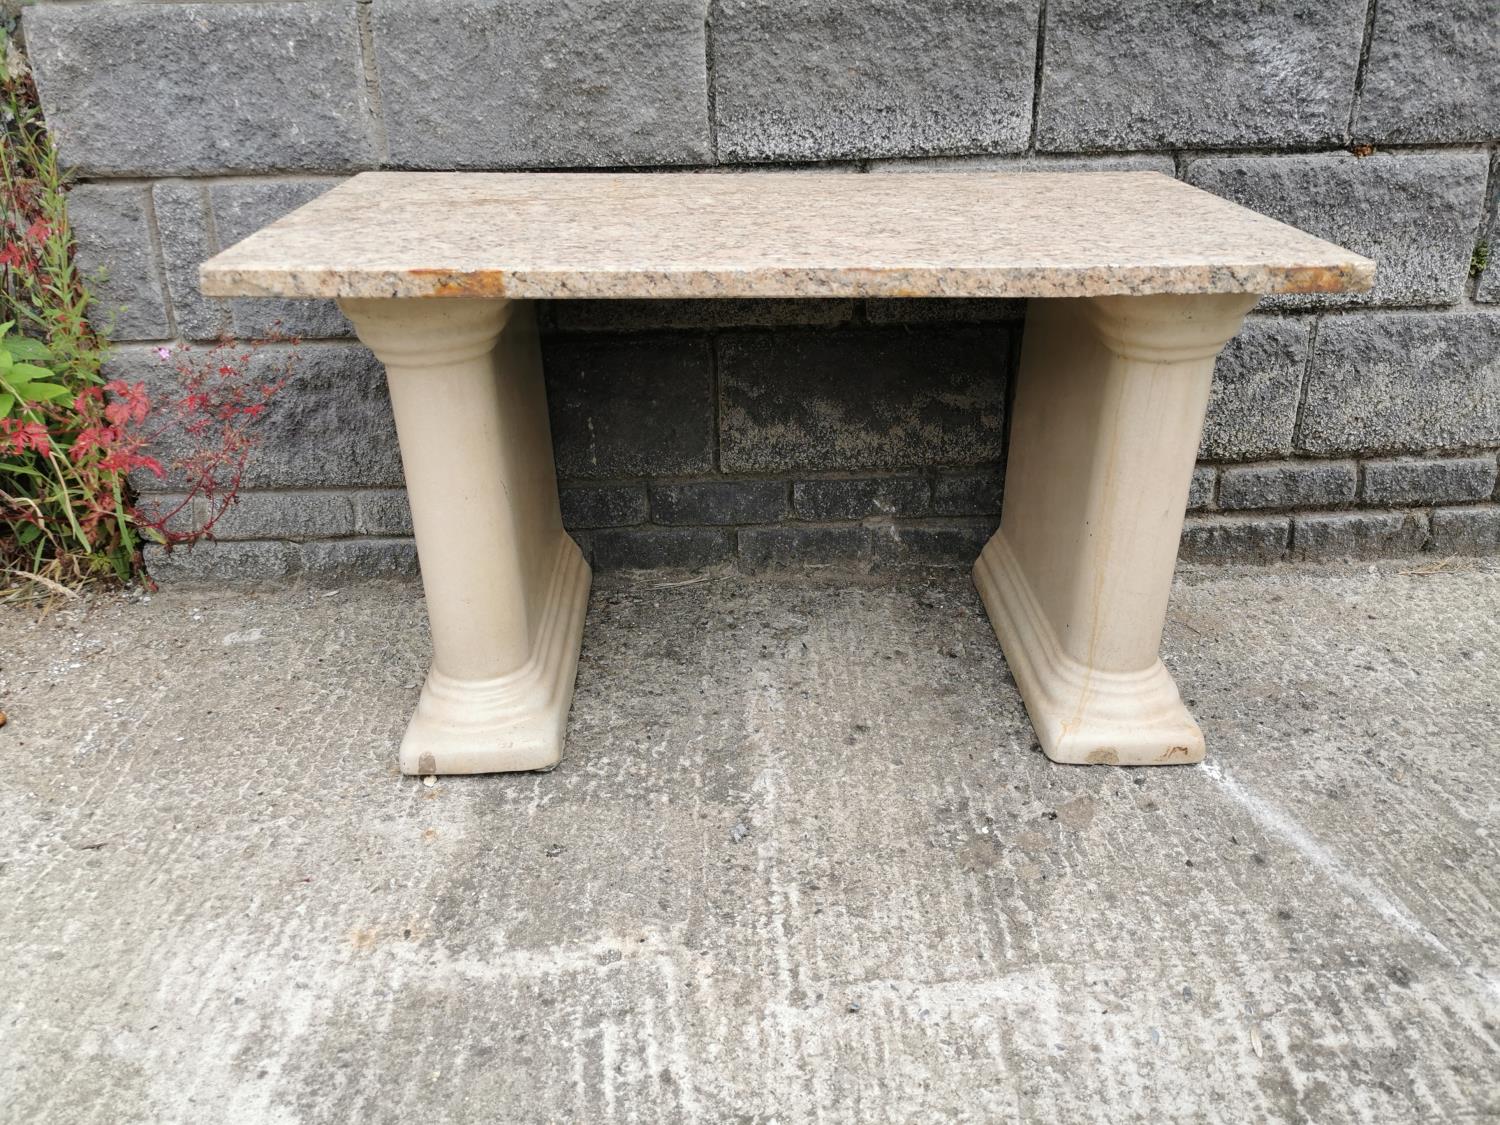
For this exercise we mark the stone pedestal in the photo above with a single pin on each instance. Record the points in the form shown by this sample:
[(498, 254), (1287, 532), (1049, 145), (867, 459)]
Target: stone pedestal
[(506, 587), (1108, 411)]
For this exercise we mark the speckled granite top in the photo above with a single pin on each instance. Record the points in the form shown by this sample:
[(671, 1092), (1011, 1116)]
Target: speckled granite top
[(940, 234)]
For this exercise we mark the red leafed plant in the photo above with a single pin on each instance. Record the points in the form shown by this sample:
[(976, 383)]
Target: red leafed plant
[(71, 438), (216, 401)]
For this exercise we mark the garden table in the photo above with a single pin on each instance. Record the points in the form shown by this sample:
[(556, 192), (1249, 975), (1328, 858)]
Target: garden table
[(1135, 280)]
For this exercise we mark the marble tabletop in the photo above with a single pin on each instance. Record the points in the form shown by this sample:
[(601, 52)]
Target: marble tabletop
[(802, 234)]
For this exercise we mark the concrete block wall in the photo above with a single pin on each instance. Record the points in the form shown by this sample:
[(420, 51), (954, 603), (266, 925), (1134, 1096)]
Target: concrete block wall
[(776, 432)]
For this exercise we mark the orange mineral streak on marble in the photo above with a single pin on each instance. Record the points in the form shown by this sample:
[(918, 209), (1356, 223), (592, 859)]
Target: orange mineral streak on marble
[(1323, 279), (481, 283)]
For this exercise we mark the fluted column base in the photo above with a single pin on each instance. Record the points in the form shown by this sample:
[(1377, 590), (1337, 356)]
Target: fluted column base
[(506, 588), (515, 721), (1081, 715), (1109, 410)]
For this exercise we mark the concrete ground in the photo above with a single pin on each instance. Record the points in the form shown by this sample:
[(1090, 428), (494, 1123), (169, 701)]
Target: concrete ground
[(801, 863)]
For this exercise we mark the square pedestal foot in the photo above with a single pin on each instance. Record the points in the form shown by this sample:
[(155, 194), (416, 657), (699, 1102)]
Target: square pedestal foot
[(515, 722), (1081, 715)]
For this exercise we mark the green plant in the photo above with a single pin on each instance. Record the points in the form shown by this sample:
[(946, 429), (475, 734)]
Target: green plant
[(70, 438), (1481, 259), (37, 479), (49, 355)]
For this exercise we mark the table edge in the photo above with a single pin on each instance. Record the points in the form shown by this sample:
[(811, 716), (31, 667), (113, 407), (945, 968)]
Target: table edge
[(1353, 275)]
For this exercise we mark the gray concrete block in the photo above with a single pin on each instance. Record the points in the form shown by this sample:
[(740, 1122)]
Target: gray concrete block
[(804, 80), (171, 89), (329, 426), (382, 512), (777, 167), (208, 561), (777, 548), (1170, 73), (944, 310), (808, 167), (871, 399), (638, 316), (112, 225), (1404, 382), (1318, 536), (1413, 214), (1234, 539), (618, 505), (543, 83), (1287, 484), (360, 558), (1432, 73), (240, 208), (1466, 531), (859, 498), (969, 494), (1487, 288), (175, 511), (648, 548), (1201, 491), (1035, 162), (287, 515), (953, 543), (624, 406), (1252, 408), (182, 221), (719, 502), (1411, 481)]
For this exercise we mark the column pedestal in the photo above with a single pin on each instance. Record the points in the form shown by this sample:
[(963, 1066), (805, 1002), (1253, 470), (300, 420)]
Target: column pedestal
[(1108, 414), (506, 588)]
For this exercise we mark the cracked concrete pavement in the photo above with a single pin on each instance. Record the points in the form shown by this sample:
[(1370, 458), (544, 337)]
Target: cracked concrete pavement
[(801, 862)]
